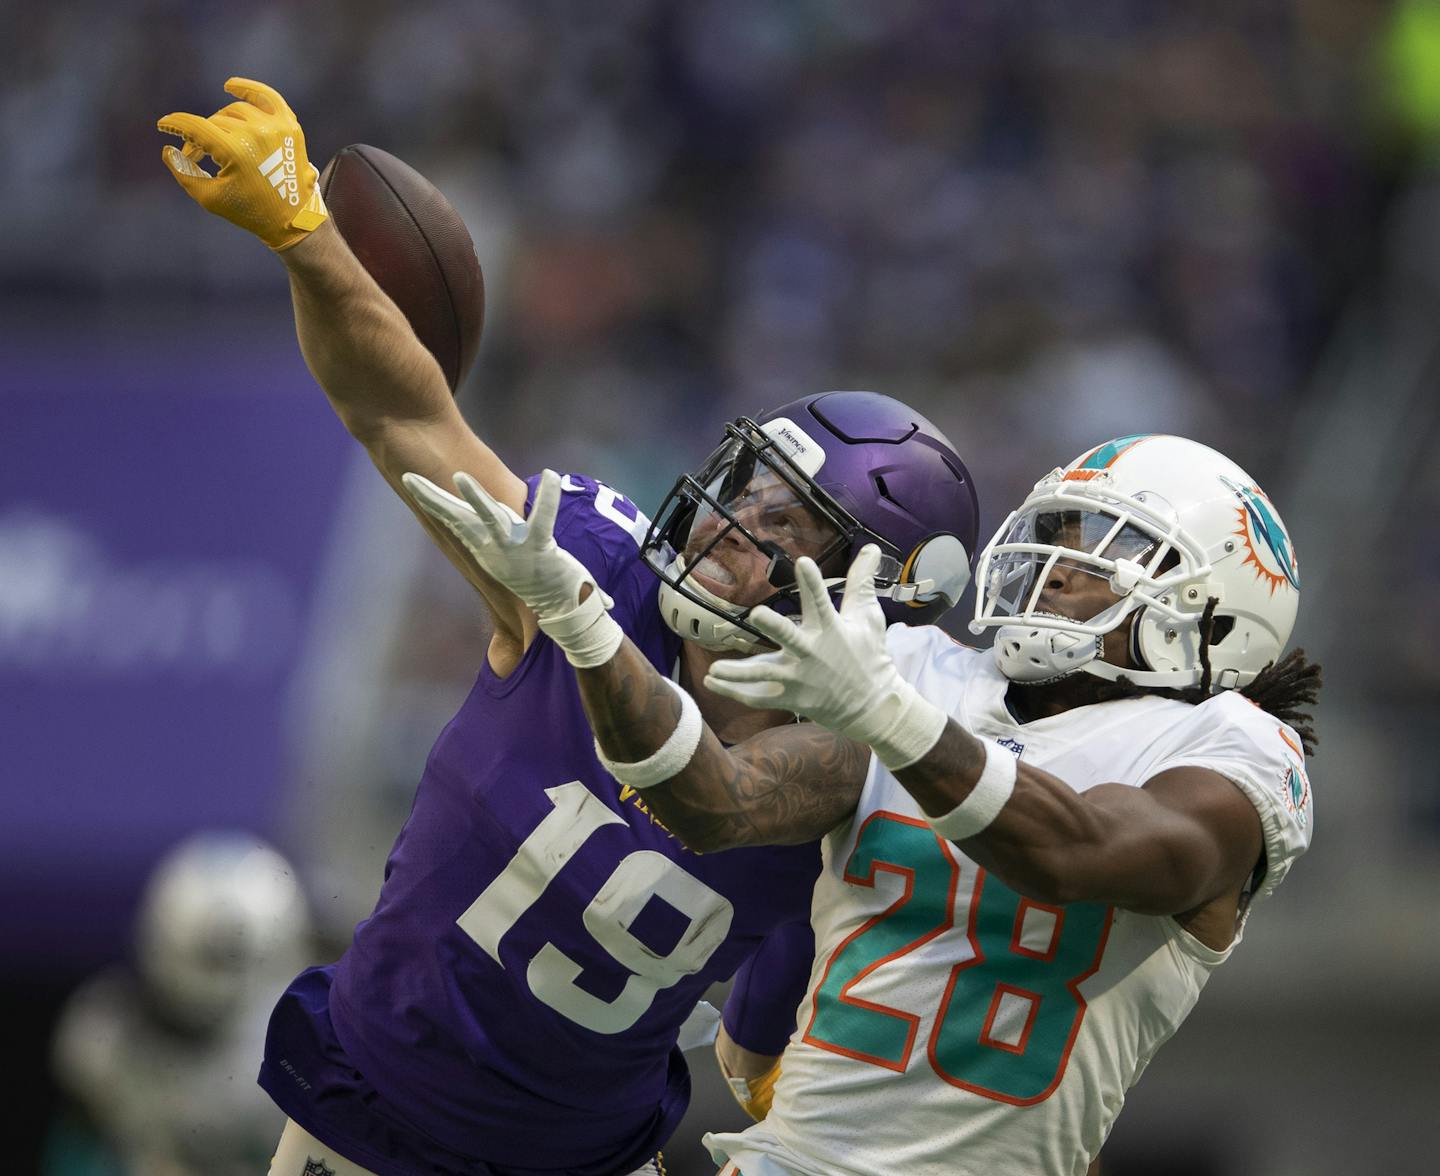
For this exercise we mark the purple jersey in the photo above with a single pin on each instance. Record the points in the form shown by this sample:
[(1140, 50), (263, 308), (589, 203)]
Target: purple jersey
[(760, 1011), (516, 994)]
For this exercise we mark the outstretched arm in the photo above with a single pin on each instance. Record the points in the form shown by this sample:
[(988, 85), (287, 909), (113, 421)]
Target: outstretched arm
[(390, 394), (784, 786), (1189, 836), (382, 382), (787, 785), (384, 385)]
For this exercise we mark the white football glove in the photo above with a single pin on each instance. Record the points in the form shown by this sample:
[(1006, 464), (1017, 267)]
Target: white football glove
[(522, 555), (834, 668)]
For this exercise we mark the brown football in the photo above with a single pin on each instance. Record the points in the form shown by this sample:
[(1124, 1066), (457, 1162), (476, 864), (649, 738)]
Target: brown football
[(415, 246)]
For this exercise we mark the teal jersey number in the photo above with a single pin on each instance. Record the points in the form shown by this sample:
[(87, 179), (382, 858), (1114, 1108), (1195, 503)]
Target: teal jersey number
[(860, 1028), (1011, 1012), (1038, 986)]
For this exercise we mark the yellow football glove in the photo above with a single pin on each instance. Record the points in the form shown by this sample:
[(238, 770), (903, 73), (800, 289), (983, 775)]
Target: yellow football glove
[(265, 184)]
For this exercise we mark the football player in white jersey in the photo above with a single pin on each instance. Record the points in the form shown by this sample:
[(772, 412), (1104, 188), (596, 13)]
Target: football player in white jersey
[(1055, 843)]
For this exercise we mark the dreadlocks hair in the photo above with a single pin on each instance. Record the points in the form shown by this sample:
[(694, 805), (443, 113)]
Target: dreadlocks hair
[(1207, 631), (1286, 689)]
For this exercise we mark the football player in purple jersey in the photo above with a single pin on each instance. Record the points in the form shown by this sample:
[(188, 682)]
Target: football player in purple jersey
[(512, 1005)]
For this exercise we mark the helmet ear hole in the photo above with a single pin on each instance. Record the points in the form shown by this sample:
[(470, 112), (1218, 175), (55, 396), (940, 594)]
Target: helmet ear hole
[(1157, 643), (1221, 628)]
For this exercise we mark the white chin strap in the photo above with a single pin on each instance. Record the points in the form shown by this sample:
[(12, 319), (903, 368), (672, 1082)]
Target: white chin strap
[(695, 622), (1034, 654), (1028, 653)]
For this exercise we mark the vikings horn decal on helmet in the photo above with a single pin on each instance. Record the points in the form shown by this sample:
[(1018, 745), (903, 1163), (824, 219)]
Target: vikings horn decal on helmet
[(1170, 524), (821, 476)]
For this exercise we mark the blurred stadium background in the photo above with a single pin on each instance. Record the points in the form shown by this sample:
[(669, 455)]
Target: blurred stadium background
[(1042, 223)]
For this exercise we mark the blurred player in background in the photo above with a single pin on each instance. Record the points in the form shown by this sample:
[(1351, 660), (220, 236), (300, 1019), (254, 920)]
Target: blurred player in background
[(513, 1003), (156, 1059), (1053, 847)]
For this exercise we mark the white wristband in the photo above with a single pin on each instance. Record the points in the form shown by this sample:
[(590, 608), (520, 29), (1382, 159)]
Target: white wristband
[(902, 728), (673, 754), (975, 813), (588, 635)]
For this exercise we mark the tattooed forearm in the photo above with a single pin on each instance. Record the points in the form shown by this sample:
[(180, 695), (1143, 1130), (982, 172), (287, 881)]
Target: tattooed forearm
[(631, 708), (784, 786), (788, 785)]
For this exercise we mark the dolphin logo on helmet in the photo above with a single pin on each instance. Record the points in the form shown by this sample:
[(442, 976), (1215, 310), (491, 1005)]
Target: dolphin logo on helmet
[(1259, 522)]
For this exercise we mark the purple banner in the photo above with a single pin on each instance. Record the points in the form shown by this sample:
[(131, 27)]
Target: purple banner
[(161, 533)]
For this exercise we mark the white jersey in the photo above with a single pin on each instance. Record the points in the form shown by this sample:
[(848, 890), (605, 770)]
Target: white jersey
[(953, 1027)]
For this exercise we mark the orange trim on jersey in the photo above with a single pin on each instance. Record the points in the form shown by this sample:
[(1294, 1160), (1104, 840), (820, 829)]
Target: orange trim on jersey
[(1290, 743), (979, 958), (995, 1002), (1020, 949), (845, 997)]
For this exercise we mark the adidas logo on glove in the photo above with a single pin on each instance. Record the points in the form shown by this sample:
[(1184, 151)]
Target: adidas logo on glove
[(239, 190), (280, 170)]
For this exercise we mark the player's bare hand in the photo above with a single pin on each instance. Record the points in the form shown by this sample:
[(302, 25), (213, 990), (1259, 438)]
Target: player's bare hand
[(264, 181)]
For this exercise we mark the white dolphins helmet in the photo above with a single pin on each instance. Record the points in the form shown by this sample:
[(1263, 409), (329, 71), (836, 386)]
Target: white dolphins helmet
[(1170, 524), (221, 912)]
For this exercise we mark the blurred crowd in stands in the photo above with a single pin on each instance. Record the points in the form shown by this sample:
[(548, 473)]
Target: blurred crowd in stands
[(1041, 222)]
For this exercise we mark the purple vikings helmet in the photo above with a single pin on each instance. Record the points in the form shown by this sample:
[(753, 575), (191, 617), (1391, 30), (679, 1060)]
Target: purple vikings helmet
[(821, 476)]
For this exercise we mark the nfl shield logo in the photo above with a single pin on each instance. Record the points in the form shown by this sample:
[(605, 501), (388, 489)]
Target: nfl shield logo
[(1014, 746), (317, 1168)]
